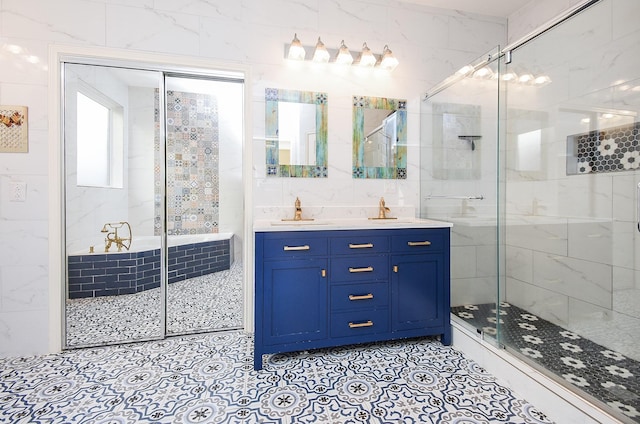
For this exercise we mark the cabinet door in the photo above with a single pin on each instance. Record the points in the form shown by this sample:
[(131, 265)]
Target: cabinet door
[(295, 301), (417, 291)]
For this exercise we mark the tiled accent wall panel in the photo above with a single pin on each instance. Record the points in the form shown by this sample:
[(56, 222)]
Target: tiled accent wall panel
[(117, 274), (191, 164), (607, 150)]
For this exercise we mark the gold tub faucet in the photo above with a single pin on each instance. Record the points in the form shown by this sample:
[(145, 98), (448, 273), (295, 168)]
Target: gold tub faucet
[(113, 237)]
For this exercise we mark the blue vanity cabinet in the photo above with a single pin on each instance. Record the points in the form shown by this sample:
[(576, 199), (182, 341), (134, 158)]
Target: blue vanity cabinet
[(325, 288), (291, 300), (359, 286), (420, 289)]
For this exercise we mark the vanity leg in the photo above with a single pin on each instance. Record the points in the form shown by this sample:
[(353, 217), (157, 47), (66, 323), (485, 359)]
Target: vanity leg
[(445, 339), (257, 360)]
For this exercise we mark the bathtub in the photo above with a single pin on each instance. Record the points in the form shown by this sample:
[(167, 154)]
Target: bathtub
[(138, 269)]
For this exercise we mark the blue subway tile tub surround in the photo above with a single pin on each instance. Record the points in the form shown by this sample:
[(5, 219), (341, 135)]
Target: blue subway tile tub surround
[(115, 274), (209, 378)]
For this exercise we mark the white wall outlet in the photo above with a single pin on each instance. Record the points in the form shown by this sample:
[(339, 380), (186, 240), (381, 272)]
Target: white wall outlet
[(18, 191)]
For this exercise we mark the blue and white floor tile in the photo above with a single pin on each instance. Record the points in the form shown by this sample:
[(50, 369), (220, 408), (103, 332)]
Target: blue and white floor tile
[(207, 303), (603, 373), (210, 378)]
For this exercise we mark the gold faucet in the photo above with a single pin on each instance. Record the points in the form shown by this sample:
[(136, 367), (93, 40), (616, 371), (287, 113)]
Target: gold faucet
[(112, 236), (297, 216), (382, 209)]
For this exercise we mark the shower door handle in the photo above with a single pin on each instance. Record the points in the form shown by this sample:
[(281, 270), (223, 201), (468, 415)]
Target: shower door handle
[(638, 206)]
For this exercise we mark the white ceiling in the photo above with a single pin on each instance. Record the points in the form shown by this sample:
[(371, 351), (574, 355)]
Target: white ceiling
[(502, 8)]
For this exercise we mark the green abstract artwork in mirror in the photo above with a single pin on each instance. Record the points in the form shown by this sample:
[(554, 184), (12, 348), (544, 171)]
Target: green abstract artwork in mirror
[(379, 138), (296, 133)]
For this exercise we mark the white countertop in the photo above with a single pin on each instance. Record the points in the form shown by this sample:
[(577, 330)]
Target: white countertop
[(346, 224)]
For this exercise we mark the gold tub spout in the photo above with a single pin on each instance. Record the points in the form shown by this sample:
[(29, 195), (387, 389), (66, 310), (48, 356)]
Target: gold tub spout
[(113, 237)]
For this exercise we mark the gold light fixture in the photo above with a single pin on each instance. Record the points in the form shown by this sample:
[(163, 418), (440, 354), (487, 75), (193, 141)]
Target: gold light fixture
[(296, 51), (366, 58), (321, 54), (344, 55), (388, 61)]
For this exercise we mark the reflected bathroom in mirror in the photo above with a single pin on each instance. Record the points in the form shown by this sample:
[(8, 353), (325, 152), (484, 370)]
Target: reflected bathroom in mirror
[(296, 133), (379, 138), (457, 141)]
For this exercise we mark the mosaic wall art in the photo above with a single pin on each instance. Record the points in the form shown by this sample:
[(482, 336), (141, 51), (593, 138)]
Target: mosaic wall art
[(192, 164), (14, 134), (606, 150)]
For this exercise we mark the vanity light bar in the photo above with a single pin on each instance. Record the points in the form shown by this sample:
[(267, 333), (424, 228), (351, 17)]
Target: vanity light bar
[(342, 56)]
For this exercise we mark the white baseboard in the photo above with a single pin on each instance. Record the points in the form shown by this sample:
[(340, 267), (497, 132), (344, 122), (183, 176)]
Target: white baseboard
[(557, 402)]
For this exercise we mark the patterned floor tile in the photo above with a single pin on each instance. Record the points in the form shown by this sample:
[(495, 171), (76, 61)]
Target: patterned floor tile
[(209, 378), (207, 303), (609, 376)]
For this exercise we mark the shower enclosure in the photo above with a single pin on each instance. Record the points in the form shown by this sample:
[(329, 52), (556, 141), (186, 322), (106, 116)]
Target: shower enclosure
[(533, 152), (153, 203)]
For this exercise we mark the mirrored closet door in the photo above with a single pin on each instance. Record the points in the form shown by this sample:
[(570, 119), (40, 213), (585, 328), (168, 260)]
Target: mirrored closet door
[(153, 204)]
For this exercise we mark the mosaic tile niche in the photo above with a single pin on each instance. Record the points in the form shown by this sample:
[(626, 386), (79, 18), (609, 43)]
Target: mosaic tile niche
[(192, 164), (606, 150)]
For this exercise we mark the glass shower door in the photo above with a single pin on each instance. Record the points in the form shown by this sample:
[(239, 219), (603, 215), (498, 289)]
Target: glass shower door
[(459, 184), (572, 241)]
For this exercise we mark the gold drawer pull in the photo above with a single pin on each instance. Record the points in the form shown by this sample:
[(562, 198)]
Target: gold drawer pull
[(367, 269), (361, 324), (305, 247), (361, 296), (360, 246), (419, 243)]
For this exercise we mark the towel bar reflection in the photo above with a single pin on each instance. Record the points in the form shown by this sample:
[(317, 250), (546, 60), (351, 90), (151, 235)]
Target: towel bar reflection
[(481, 197)]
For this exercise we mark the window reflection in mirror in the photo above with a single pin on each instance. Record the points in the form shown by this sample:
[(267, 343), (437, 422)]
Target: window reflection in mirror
[(379, 138), (296, 133)]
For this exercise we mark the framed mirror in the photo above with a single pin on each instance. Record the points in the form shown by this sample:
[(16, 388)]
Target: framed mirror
[(379, 138), (296, 133)]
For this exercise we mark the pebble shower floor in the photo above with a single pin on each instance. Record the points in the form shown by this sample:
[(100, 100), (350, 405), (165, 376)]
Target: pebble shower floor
[(209, 378)]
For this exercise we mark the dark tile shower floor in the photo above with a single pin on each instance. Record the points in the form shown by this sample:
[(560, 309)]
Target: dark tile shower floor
[(606, 375)]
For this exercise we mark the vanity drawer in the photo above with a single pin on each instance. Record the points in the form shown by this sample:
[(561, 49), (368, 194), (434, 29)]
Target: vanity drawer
[(358, 296), (294, 246), (359, 323), (357, 244), (360, 268), (433, 240)]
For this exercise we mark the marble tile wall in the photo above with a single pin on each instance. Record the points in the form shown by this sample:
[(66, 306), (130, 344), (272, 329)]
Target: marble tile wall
[(575, 270), (430, 44)]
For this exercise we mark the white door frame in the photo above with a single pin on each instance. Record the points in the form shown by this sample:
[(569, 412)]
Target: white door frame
[(59, 54)]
